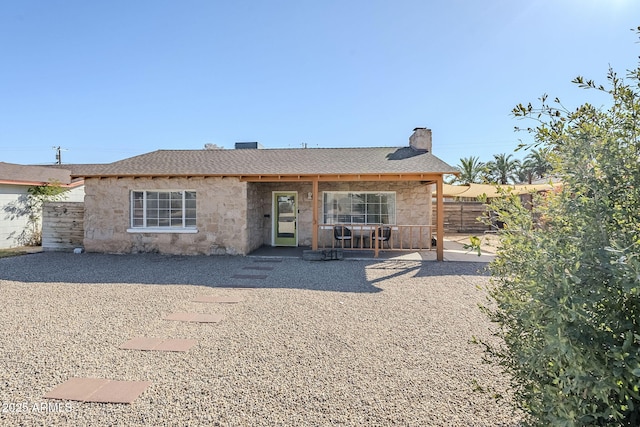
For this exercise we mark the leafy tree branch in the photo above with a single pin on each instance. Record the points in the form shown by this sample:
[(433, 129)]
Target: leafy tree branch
[(565, 289)]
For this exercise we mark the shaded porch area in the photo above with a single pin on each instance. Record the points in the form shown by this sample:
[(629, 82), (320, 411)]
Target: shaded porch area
[(380, 212), (453, 250)]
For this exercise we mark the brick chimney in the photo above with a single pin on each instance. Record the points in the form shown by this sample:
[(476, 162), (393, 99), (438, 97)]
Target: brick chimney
[(420, 140)]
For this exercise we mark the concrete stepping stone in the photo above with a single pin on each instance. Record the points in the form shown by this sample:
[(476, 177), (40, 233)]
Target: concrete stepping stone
[(195, 317), (98, 390), (218, 299), (158, 344)]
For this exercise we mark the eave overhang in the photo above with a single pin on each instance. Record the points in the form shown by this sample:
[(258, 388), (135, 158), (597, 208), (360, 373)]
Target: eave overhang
[(429, 177), (38, 183)]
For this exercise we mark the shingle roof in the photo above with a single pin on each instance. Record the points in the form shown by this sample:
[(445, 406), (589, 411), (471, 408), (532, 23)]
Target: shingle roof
[(299, 161), (26, 174), (79, 169)]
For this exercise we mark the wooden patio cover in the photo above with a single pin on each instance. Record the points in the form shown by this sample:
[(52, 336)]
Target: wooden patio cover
[(434, 178)]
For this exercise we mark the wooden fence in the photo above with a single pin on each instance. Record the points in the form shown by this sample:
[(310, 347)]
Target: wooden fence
[(62, 226), (462, 217)]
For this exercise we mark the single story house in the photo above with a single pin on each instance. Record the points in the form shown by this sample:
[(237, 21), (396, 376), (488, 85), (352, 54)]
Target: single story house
[(15, 181), (234, 201)]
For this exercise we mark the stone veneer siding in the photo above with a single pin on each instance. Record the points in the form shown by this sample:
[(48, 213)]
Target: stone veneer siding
[(413, 203), (233, 217), (255, 216), (221, 217)]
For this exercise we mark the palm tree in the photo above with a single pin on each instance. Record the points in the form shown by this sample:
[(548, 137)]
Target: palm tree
[(526, 171), (502, 169), (471, 169), (539, 162)]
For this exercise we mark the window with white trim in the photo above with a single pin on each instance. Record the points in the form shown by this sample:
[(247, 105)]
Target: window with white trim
[(163, 209), (368, 207)]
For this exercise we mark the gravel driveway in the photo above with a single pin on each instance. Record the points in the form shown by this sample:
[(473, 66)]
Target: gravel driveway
[(313, 343)]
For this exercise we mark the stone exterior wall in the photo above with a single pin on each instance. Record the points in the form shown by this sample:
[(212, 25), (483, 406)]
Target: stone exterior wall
[(222, 205), (413, 203), (255, 216), (233, 217)]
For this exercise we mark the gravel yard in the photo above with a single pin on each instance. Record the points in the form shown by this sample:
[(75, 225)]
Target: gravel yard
[(314, 343)]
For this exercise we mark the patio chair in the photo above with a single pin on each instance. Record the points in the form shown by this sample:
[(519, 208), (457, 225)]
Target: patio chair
[(342, 234), (384, 235)]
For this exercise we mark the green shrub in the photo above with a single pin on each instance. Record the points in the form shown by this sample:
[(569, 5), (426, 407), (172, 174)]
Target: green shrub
[(565, 288)]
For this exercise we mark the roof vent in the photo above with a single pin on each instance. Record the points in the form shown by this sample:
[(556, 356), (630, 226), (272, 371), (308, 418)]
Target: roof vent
[(248, 145)]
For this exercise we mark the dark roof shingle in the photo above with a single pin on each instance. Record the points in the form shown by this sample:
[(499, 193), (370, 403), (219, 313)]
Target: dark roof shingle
[(298, 161), (33, 174)]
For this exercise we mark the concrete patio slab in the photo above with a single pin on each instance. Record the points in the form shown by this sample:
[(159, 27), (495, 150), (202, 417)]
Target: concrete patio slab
[(454, 250)]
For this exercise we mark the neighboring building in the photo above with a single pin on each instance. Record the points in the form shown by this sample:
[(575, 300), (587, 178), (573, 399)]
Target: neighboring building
[(234, 201), (15, 181)]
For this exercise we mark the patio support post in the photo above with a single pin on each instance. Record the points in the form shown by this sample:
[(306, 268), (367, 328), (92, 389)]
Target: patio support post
[(440, 219), (314, 203), (376, 250)]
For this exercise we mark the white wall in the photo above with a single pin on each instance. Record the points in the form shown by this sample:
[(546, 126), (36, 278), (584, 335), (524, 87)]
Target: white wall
[(74, 195), (11, 225)]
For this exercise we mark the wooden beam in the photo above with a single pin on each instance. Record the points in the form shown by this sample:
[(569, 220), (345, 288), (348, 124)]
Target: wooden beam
[(440, 219), (36, 183), (423, 177), (314, 221)]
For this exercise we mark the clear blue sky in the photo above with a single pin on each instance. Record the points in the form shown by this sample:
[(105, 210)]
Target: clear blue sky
[(106, 80)]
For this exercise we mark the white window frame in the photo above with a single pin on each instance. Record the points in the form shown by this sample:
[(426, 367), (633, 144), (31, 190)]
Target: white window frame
[(391, 214), (159, 229)]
